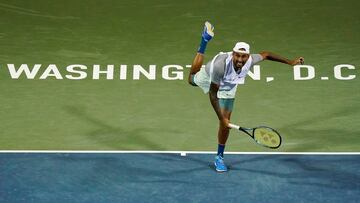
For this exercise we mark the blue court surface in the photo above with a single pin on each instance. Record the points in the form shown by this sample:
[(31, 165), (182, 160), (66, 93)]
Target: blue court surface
[(169, 177)]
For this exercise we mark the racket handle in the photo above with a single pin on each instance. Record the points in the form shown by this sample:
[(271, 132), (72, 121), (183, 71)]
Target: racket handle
[(233, 126)]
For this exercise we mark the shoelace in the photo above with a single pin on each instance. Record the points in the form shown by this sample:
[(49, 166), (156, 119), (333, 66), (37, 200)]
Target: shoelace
[(221, 159)]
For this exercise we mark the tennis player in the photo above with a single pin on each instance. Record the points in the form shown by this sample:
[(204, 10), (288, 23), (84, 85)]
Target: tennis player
[(220, 78)]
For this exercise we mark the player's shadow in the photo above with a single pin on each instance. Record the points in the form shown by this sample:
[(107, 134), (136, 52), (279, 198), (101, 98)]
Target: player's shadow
[(206, 162), (115, 169), (328, 173), (331, 174), (118, 137)]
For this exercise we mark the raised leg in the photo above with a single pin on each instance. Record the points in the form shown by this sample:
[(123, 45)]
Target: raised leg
[(206, 36)]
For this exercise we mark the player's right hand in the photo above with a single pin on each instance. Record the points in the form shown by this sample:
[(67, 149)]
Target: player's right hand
[(224, 123)]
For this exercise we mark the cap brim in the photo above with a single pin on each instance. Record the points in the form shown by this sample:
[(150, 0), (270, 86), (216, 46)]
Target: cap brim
[(241, 51)]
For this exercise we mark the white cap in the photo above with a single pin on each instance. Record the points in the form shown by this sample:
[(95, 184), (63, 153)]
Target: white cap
[(242, 45)]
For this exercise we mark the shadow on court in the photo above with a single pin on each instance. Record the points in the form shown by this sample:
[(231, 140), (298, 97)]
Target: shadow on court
[(173, 178), (118, 137), (315, 171)]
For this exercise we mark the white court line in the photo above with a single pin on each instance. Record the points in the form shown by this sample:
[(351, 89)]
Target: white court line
[(173, 152)]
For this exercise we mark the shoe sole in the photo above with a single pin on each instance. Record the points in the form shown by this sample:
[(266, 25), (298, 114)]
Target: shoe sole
[(209, 29)]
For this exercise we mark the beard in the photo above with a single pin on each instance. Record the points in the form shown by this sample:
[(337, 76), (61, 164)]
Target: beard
[(239, 65)]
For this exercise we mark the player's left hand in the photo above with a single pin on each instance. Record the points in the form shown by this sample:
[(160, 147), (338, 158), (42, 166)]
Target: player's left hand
[(298, 61)]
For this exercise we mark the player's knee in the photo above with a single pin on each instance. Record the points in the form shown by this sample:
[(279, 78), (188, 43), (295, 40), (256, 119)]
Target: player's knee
[(191, 80), (191, 83)]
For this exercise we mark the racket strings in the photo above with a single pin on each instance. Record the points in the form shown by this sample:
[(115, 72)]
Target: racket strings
[(267, 137)]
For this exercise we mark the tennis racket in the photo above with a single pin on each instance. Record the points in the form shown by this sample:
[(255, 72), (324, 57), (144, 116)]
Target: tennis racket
[(262, 135)]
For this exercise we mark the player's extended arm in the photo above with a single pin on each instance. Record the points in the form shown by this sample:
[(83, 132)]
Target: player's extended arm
[(273, 57), (215, 103)]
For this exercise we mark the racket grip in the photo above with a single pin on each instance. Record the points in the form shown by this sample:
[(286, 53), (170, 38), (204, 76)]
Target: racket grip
[(233, 126)]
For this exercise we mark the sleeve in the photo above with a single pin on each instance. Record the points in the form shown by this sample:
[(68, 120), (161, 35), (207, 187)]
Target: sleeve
[(256, 58)]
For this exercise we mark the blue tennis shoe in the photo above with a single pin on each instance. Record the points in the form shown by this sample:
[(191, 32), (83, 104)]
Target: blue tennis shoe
[(219, 164)]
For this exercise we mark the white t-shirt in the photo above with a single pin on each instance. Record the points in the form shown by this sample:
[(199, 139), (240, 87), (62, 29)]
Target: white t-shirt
[(219, 70)]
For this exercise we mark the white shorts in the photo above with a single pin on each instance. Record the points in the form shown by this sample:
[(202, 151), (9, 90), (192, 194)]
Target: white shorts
[(202, 80)]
